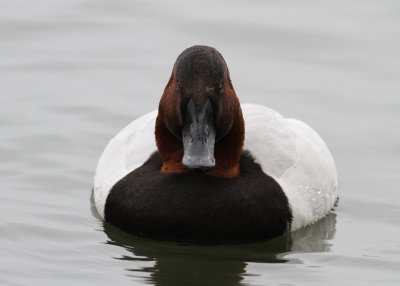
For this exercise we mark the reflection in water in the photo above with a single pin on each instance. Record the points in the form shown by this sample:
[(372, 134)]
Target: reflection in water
[(316, 237), (191, 264)]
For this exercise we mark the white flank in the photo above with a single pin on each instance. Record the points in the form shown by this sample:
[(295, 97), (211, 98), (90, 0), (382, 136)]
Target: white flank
[(296, 157), (128, 150)]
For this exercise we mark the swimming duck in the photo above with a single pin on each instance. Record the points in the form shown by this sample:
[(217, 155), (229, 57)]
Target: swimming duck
[(204, 167)]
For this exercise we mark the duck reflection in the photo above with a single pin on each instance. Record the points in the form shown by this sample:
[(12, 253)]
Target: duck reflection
[(192, 264), (316, 237)]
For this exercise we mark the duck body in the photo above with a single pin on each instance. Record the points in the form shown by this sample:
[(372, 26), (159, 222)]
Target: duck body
[(283, 178), (287, 180)]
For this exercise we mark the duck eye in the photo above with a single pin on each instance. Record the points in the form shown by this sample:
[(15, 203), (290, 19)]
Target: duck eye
[(221, 88), (178, 86)]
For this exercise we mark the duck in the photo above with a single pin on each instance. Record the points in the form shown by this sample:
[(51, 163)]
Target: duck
[(204, 167)]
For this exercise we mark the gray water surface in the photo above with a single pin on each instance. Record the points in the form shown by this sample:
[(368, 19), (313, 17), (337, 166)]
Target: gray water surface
[(74, 73)]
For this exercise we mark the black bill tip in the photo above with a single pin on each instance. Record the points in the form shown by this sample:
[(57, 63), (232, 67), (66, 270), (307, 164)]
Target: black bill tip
[(198, 163)]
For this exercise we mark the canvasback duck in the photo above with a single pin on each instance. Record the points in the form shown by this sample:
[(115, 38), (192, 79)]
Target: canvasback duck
[(206, 168)]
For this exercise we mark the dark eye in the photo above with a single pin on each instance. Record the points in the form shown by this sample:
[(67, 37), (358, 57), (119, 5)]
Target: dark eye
[(178, 86), (221, 88)]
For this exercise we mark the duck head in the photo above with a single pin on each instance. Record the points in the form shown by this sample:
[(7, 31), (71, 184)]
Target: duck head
[(200, 124)]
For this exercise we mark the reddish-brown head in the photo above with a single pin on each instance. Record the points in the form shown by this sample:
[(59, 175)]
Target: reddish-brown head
[(200, 124)]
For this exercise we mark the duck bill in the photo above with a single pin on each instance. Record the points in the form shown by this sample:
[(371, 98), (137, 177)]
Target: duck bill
[(198, 136)]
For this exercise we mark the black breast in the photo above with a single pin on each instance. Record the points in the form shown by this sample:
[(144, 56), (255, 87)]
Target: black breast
[(195, 206)]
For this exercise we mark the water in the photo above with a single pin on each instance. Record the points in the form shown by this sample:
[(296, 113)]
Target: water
[(73, 73)]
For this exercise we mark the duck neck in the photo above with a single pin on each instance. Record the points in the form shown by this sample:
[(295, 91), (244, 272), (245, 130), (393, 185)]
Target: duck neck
[(227, 150), (169, 147)]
